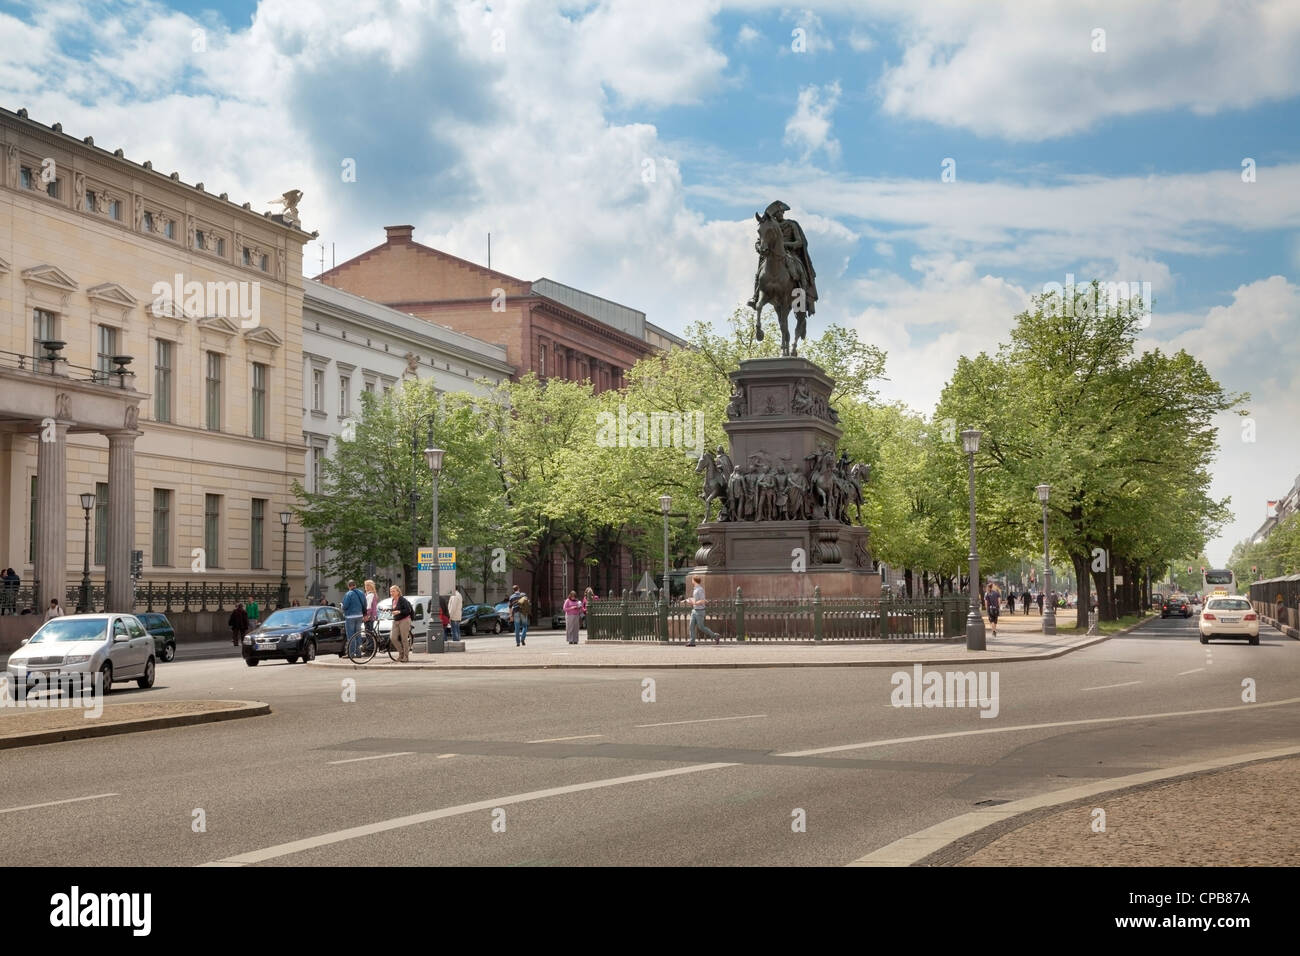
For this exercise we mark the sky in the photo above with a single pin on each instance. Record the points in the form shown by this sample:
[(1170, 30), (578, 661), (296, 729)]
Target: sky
[(947, 160)]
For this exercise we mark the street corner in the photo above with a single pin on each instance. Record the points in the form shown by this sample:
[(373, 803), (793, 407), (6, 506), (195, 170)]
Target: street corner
[(53, 719)]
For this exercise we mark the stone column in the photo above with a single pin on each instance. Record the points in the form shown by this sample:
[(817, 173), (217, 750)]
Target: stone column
[(51, 513), (121, 520)]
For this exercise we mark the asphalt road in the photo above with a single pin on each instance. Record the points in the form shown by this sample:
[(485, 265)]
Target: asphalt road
[(459, 768)]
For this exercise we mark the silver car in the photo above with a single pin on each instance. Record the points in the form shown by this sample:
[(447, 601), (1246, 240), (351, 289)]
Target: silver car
[(116, 646)]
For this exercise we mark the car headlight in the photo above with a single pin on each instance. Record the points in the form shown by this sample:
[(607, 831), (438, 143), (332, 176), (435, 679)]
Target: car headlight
[(76, 658), (248, 639)]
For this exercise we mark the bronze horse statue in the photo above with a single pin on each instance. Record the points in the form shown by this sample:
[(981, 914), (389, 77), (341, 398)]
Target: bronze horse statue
[(715, 485), (777, 286)]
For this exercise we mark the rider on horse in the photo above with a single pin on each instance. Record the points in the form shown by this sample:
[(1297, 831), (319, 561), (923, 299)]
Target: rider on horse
[(796, 257)]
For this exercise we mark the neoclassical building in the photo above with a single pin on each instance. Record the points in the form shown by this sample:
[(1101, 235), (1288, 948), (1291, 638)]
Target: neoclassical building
[(351, 345), (151, 356)]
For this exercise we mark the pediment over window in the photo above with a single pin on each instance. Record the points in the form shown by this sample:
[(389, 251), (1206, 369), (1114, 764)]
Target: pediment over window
[(51, 276), (263, 336), (216, 329), (113, 294)]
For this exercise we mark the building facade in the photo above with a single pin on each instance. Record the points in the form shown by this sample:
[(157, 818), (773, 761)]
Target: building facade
[(151, 357), (351, 346)]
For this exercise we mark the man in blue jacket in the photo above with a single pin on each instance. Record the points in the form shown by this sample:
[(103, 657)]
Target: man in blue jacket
[(354, 608)]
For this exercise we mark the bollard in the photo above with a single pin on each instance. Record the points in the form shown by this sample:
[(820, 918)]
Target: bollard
[(662, 608), (740, 616)]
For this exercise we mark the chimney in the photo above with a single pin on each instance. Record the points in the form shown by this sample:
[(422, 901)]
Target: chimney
[(399, 233)]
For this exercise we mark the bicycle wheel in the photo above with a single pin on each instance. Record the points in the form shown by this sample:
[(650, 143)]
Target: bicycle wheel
[(393, 653), (364, 649)]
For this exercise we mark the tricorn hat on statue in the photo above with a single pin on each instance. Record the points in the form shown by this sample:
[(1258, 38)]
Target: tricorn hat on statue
[(775, 207)]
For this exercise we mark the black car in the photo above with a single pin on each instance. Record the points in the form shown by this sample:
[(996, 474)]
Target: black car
[(164, 636), (295, 632), (480, 617), (1175, 605)]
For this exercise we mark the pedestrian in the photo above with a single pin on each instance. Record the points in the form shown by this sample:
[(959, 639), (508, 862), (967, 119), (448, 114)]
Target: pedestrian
[(444, 615), (56, 610), (698, 603), (371, 613), (991, 597), (238, 625), (588, 596), (1040, 603), (519, 610), (402, 614), (455, 608), (354, 610), (250, 607), (1025, 599), (573, 611)]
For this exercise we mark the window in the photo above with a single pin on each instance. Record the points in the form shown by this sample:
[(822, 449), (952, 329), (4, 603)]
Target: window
[(259, 400), (25, 177), (248, 257), (162, 382), (169, 230), (31, 530), (115, 209), (52, 188), (162, 521), (370, 388), (541, 362), (90, 200), (265, 264), (147, 222), (317, 469), (212, 530), (345, 400), (221, 246), (107, 349), (44, 328), (317, 390), (255, 531), (101, 522), (198, 239), (214, 391)]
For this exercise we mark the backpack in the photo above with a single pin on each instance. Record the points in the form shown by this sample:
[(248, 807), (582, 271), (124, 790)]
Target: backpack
[(524, 607)]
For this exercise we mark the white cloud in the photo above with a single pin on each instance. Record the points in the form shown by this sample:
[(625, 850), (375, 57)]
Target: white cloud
[(809, 127), (860, 41), (747, 36)]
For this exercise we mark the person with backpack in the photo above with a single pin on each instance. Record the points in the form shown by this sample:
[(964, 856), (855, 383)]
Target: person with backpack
[(402, 614), (354, 610), (992, 602), (519, 611), (238, 625)]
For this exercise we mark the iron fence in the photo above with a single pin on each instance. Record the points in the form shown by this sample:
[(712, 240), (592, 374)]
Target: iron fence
[(780, 620), (164, 596)]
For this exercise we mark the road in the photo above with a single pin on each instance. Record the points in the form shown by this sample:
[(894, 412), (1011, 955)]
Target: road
[(578, 768)]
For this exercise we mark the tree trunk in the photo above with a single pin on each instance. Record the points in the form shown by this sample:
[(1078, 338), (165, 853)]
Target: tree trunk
[(1080, 562), (907, 581)]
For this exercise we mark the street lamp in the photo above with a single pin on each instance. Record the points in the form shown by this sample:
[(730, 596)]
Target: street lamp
[(83, 604), (433, 456), (970, 441), (666, 502), (1049, 602), (283, 600)]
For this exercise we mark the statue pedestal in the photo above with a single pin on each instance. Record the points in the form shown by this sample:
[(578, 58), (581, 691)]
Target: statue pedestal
[(781, 420)]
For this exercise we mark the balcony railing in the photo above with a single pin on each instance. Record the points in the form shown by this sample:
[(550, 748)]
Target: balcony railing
[(162, 596), (54, 365)]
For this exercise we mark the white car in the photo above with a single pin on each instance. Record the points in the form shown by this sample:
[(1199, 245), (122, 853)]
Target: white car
[(1229, 617), (420, 604), (116, 646)]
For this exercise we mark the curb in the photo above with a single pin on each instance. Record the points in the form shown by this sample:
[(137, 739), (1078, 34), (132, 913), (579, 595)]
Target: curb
[(240, 708), (942, 844)]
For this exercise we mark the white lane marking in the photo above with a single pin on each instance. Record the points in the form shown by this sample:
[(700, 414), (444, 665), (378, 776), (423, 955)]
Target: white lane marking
[(382, 826), (445, 756), (1192, 671), (551, 740), (404, 753), (1046, 726), (703, 720), (55, 803), (1127, 683)]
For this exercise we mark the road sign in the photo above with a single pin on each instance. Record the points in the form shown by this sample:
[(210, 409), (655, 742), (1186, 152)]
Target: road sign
[(446, 559)]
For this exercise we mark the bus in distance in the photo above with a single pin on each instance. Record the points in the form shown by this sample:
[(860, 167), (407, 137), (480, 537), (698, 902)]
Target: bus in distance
[(1217, 581)]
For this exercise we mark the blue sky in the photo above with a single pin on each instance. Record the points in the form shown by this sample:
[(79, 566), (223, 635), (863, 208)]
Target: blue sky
[(536, 121)]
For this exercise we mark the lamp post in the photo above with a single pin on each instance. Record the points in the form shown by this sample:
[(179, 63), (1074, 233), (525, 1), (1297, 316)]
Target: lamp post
[(1049, 602), (283, 599), (970, 441), (666, 502), (83, 603), (433, 456)]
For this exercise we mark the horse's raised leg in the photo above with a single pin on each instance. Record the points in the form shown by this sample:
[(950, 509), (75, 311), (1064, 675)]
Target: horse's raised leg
[(784, 318), (758, 317)]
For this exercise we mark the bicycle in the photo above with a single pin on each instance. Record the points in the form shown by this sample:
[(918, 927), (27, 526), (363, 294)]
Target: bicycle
[(369, 642)]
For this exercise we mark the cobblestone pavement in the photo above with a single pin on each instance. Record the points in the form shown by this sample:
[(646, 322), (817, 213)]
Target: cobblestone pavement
[(1243, 817)]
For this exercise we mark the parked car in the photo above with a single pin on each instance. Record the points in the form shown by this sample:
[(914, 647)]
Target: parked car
[(503, 612), (115, 646), (294, 632), (1229, 617), (164, 636), (420, 604), (480, 617), (1175, 605)]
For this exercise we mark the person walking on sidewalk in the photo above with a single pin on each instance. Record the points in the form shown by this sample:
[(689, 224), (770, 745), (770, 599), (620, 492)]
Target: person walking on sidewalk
[(1040, 602), (402, 614), (519, 611), (991, 602), (573, 611), (238, 625), (371, 614), (698, 603), (251, 609), (354, 610), (455, 607)]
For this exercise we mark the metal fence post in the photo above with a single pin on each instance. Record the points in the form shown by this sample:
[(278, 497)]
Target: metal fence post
[(624, 624), (817, 612), (663, 613), (740, 616)]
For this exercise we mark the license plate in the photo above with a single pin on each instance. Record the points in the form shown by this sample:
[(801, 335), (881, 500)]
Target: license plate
[(266, 643), (1230, 620)]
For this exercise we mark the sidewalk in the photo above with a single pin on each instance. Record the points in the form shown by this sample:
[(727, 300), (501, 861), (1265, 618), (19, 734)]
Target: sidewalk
[(1019, 638)]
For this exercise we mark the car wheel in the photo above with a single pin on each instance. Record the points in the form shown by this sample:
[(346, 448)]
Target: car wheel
[(169, 653), (473, 628), (145, 682), (1205, 639), (309, 651), (106, 676), (496, 628), (291, 660), (1254, 641), (250, 661)]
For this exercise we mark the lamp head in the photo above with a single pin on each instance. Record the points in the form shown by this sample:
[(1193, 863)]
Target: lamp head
[(1043, 492), (284, 517), (665, 502), (433, 456), (87, 500), (970, 440)]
